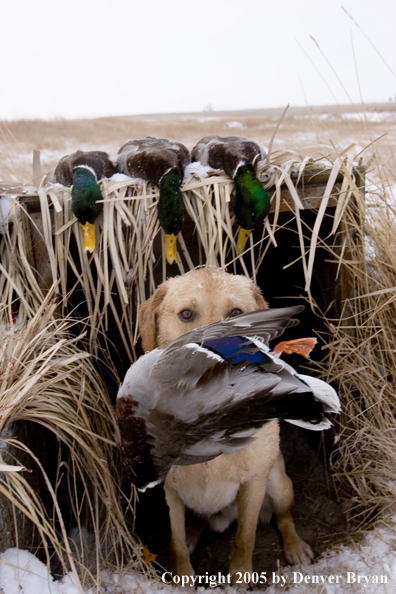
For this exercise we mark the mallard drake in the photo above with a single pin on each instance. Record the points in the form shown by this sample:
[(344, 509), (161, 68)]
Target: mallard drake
[(161, 162), (83, 170), (238, 158), (210, 391)]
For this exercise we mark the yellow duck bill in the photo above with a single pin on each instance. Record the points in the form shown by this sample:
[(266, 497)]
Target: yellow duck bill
[(89, 240), (243, 236), (171, 248)]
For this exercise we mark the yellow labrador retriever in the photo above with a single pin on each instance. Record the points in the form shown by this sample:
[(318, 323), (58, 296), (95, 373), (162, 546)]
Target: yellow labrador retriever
[(249, 484)]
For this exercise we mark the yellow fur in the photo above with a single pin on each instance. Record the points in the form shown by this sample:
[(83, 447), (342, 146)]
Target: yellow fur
[(244, 478)]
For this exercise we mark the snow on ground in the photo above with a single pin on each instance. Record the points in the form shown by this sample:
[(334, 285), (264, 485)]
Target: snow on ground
[(370, 116), (22, 573), (367, 566), (235, 124), (315, 116), (6, 215)]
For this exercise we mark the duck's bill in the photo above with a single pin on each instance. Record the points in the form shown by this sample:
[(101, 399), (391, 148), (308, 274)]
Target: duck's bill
[(88, 237), (171, 248), (147, 556), (243, 236)]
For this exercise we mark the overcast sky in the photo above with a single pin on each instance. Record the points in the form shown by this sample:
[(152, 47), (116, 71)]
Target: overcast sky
[(89, 58)]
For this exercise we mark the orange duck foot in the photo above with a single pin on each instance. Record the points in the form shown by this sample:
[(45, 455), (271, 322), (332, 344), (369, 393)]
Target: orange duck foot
[(301, 346), (147, 556)]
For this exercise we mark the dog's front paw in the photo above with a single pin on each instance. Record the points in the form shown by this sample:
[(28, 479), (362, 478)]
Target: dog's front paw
[(184, 568), (180, 562), (297, 551), (240, 565), (239, 577)]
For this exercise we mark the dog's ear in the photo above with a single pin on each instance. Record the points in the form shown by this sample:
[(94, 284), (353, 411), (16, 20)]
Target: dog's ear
[(148, 318), (258, 297)]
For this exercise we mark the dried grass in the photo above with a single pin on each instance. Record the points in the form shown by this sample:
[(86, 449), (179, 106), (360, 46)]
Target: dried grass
[(129, 262), (361, 361), (300, 128), (47, 380)]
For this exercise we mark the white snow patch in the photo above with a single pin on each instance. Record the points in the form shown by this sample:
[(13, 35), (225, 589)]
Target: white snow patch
[(315, 116), (121, 177), (59, 187), (22, 573), (238, 125), (209, 119), (6, 215), (267, 173), (371, 116), (374, 558), (198, 170)]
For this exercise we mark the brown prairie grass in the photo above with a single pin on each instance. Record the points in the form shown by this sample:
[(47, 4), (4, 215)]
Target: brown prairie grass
[(341, 126), (361, 361), (49, 382)]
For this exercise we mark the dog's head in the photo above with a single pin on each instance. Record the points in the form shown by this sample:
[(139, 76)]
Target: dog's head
[(197, 298)]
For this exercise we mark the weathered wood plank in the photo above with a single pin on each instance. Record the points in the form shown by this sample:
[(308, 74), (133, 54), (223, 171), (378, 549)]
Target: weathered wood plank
[(310, 190), (310, 196), (37, 176)]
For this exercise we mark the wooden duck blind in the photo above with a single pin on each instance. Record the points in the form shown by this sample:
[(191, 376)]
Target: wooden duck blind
[(309, 199), (312, 246)]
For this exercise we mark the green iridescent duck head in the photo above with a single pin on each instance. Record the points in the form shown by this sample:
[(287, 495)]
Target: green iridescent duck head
[(85, 195), (171, 211), (252, 203)]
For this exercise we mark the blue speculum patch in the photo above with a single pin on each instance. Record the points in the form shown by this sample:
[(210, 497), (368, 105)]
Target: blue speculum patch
[(235, 349)]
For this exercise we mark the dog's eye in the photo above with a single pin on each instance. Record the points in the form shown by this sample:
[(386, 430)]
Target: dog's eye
[(186, 315), (234, 312)]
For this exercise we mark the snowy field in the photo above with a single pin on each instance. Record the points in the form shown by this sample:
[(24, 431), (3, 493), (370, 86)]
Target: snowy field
[(356, 128), (367, 566)]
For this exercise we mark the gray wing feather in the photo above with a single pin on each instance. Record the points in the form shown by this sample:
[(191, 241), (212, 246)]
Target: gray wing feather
[(265, 323), (219, 386), (187, 393)]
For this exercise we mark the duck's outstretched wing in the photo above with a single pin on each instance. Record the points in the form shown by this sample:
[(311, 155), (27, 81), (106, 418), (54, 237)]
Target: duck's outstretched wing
[(200, 386), (264, 323), (190, 403), (187, 413)]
